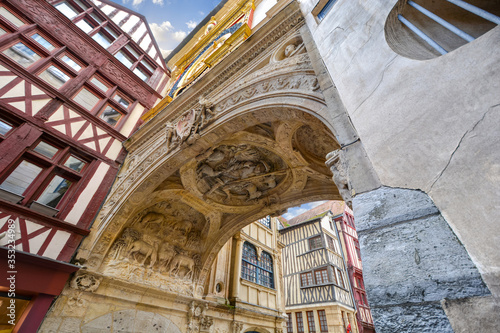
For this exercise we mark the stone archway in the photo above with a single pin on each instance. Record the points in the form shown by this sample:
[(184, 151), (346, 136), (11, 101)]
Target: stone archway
[(249, 139)]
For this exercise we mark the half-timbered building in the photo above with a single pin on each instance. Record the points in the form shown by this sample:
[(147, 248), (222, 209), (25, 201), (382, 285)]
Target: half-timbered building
[(317, 288), (350, 245), (75, 78)]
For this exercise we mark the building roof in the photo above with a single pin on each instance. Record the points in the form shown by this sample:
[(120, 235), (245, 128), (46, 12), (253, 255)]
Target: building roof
[(336, 207)]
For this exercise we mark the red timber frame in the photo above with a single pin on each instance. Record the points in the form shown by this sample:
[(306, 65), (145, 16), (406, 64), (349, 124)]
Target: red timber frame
[(41, 279)]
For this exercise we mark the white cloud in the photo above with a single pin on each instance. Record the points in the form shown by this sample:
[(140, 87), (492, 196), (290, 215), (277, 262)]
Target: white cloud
[(201, 13), (158, 2), (165, 53), (160, 31), (191, 24), (136, 3), (179, 35)]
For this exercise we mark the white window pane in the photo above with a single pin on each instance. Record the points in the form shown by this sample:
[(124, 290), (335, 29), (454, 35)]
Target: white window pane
[(46, 149), (141, 74), (42, 41), (74, 163), (54, 192), (147, 65), (120, 99), (2, 32), (66, 9), (99, 84), (96, 17), (19, 180), (102, 39), (124, 59), (133, 51), (11, 17), (86, 99), (110, 115), (22, 54), (54, 76), (81, 4), (71, 63), (84, 25), (5, 127)]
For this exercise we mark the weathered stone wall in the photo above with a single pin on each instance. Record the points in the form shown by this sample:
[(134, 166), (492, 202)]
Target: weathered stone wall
[(429, 126), (413, 260)]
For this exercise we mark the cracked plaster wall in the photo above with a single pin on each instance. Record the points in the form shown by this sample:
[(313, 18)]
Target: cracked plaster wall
[(429, 125)]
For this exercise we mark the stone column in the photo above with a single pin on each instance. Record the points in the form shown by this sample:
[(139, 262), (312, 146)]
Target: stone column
[(412, 261), (237, 253)]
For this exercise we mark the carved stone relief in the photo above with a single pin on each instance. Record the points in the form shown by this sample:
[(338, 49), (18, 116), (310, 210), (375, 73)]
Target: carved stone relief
[(161, 246), (239, 174), (197, 318), (337, 164)]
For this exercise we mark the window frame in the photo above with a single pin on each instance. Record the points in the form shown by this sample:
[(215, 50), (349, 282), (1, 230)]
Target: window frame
[(314, 239), (300, 323), (289, 323), (323, 323), (256, 265), (50, 168), (310, 319)]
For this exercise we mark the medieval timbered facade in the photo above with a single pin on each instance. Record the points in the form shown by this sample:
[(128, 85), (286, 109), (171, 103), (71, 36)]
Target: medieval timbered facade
[(75, 78), (349, 239), (317, 289)]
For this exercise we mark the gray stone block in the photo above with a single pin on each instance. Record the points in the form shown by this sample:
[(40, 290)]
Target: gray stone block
[(385, 206), (411, 318), (417, 261)]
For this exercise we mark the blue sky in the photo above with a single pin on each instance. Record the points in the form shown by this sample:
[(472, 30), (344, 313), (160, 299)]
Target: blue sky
[(171, 20), (295, 211)]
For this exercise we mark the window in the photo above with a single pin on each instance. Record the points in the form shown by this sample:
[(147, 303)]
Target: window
[(42, 41), (300, 323), (22, 54), (266, 221), (289, 325), (306, 279), (322, 8), (315, 243), (321, 276), (322, 321), (358, 250), (255, 270), (86, 98), (5, 127), (21, 178), (310, 321), (133, 60), (11, 17), (44, 175), (55, 76), (90, 22), (341, 279), (428, 29), (110, 116), (331, 243), (71, 63), (104, 100)]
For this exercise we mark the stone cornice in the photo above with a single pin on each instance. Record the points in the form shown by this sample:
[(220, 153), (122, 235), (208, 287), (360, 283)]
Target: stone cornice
[(257, 43)]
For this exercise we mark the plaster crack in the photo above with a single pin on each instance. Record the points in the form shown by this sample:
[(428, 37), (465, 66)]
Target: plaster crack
[(459, 143), (378, 84)]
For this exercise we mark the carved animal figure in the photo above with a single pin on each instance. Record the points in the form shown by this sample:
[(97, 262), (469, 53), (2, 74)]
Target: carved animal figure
[(182, 260), (151, 218), (165, 256), (142, 248), (184, 226)]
